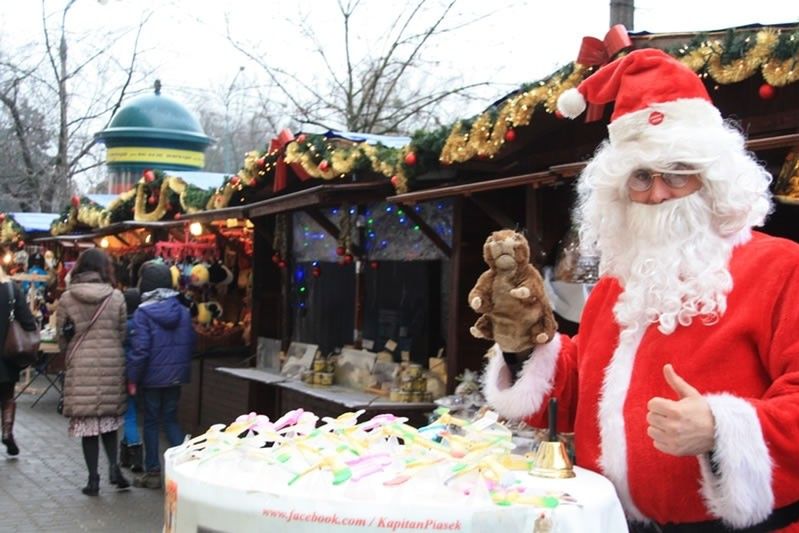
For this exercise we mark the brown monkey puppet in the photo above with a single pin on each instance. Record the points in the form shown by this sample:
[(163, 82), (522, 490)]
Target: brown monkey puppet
[(516, 312)]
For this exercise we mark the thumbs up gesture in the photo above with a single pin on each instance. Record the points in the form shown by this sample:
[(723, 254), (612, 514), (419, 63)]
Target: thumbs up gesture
[(684, 426)]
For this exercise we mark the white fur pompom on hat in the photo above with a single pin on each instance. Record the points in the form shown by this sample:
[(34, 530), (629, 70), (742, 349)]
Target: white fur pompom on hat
[(571, 103)]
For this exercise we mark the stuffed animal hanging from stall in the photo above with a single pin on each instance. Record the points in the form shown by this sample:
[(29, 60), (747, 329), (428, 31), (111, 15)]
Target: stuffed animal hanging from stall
[(515, 311)]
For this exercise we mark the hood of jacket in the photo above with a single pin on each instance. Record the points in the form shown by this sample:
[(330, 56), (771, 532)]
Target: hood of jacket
[(89, 288), (164, 312)]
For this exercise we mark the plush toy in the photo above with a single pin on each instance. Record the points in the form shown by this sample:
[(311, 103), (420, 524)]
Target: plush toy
[(516, 313), (199, 275)]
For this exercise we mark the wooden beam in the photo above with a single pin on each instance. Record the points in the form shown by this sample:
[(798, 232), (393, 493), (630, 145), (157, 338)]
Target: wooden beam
[(769, 143), (502, 220), (428, 232), (537, 179), (321, 196), (323, 221)]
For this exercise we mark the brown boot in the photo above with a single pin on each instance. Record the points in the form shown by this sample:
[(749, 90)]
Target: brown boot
[(8, 412)]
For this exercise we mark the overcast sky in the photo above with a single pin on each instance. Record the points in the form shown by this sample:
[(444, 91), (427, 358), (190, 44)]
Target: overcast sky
[(516, 42)]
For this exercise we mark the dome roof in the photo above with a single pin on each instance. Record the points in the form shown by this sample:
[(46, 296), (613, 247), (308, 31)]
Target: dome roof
[(156, 117)]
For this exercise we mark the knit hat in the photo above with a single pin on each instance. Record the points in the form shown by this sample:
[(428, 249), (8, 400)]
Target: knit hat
[(653, 93), (154, 274), (132, 299)]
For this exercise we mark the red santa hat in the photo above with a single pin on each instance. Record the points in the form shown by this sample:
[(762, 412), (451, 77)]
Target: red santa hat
[(654, 94)]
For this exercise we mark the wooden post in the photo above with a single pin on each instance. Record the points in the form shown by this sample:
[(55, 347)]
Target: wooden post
[(360, 279)]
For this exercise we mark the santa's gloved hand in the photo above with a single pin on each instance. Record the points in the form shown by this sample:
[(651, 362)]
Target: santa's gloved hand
[(684, 426)]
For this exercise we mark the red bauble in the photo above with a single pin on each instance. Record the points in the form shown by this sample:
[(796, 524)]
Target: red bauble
[(316, 272), (410, 159), (510, 135), (152, 200), (301, 138), (558, 114), (374, 265), (324, 165), (340, 250), (347, 259), (75, 201), (235, 180), (260, 162), (766, 91), (281, 264), (177, 215), (149, 176), (395, 180)]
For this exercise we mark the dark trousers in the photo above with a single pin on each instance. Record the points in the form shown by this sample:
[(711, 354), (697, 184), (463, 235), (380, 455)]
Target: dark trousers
[(160, 410)]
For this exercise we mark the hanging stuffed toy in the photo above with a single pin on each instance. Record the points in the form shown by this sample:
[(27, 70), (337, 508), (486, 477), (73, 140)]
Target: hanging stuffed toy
[(220, 276), (510, 295), (199, 275)]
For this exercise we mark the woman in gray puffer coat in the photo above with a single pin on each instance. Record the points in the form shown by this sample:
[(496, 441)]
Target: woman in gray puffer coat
[(95, 397)]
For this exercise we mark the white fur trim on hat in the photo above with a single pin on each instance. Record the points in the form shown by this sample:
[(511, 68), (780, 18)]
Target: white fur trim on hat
[(741, 495), (535, 379), (571, 103), (694, 113)]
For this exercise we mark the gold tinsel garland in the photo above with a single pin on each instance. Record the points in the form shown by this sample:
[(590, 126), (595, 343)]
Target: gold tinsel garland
[(486, 136)]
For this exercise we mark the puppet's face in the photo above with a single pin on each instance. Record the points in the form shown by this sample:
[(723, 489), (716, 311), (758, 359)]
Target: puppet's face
[(506, 249)]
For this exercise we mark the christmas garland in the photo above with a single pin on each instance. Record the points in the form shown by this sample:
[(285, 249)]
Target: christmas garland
[(736, 56), (10, 230)]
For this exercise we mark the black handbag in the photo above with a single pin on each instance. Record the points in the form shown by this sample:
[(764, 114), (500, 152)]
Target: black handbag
[(21, 347)]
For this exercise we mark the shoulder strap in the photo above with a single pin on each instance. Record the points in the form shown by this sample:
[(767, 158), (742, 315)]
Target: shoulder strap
[(83, 333)]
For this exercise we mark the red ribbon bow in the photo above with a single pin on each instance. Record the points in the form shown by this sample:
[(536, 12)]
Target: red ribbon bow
[(595, 53), (278, 144)]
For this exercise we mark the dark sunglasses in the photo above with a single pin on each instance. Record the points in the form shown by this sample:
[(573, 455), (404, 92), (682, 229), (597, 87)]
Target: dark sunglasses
[(641, 180)]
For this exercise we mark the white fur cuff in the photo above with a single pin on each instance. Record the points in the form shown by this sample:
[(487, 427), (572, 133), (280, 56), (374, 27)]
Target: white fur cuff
[(534, 381), (741, 495)]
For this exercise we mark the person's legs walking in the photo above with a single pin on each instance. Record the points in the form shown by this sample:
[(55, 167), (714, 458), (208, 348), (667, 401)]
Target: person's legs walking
[(115, 476), (174, 434), (152, 399), (8, 407), (91, 454), (130, 451)]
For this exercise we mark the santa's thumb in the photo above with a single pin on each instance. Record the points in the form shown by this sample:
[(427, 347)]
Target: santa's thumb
[(678, 384)]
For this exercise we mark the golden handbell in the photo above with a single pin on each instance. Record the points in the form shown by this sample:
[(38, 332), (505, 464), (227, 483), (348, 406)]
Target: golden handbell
[(551, 459)]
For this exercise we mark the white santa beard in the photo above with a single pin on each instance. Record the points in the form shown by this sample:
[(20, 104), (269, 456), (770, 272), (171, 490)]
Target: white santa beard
[(670, 261)]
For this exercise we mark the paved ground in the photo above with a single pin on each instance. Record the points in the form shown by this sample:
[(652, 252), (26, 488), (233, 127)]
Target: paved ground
[(40, 488)]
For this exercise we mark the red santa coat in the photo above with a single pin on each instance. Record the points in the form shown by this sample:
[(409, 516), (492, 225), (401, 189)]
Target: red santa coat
[(746, 365)]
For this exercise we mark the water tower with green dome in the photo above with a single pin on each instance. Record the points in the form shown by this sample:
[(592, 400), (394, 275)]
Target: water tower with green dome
[(152, 131)]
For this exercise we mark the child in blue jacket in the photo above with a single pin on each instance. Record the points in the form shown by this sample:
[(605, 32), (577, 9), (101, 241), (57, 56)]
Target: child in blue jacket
[(160, 362)]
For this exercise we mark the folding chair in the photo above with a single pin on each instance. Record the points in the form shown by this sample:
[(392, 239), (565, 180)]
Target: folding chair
[(48, 362)]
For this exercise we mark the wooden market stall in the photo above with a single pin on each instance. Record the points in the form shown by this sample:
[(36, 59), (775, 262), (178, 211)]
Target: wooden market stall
[(512, 166)]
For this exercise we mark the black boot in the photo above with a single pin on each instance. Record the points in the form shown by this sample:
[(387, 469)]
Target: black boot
[(136, 452), (115, 477), (8, 411), (124, 455), (92, 488)]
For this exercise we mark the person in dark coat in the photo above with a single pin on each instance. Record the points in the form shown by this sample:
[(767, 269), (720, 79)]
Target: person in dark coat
[(131, 454), (159, 362), (9, 372)]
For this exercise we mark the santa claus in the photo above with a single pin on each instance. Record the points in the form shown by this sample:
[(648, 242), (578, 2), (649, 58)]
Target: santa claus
[(682, 386)]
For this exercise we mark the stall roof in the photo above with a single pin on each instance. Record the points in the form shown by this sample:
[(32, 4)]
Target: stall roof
[(554, 174), (392, 141), (34, 222), (321, 196)]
